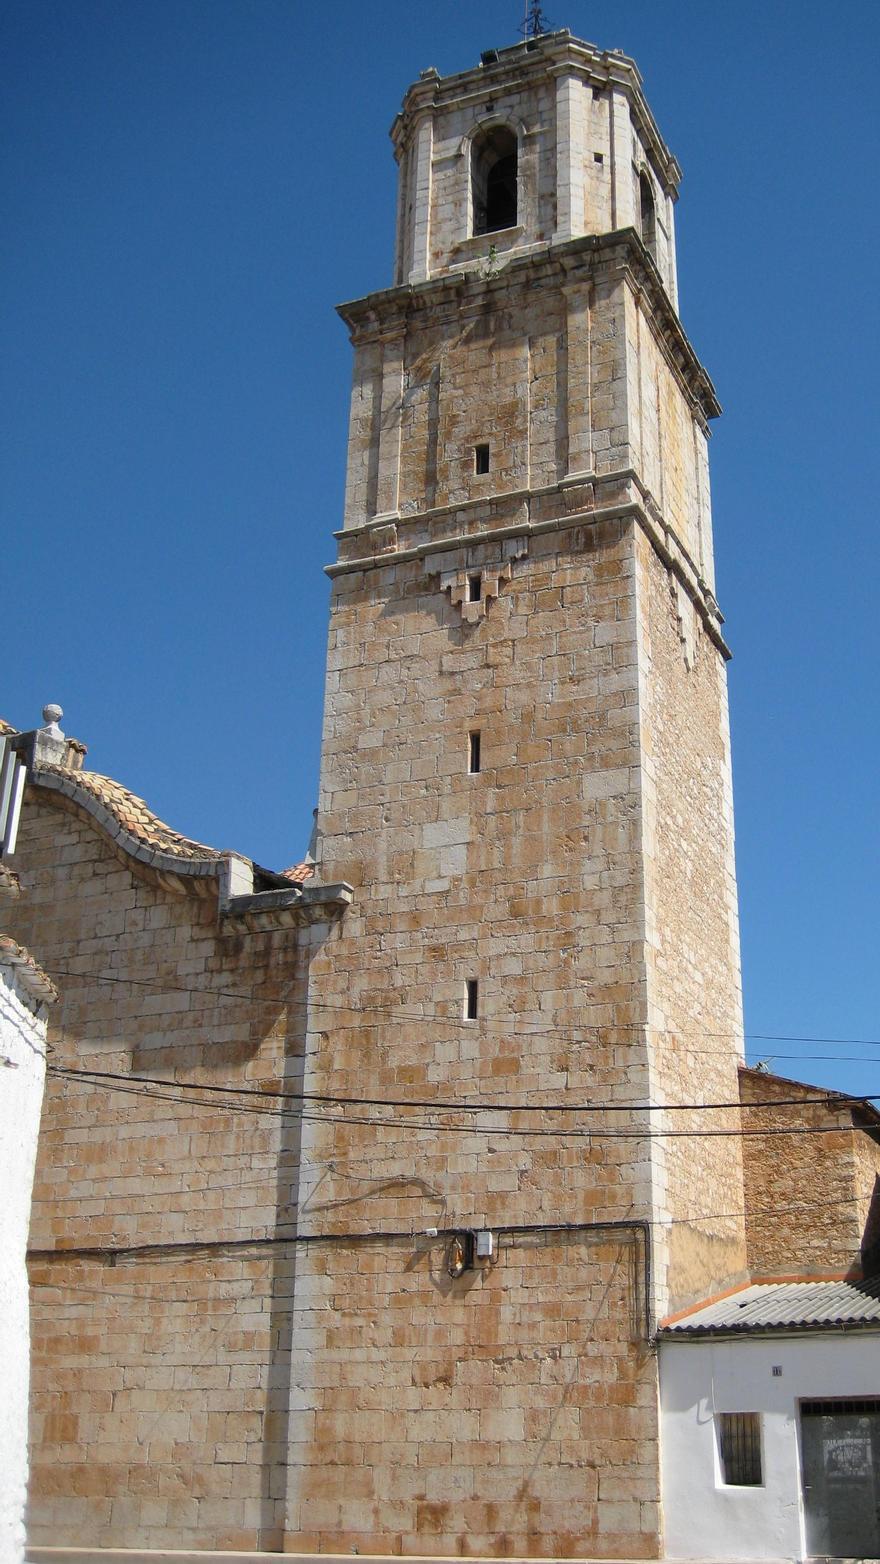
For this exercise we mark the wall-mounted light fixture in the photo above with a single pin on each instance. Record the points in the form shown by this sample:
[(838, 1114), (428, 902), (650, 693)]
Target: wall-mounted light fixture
[(466, 1246), (460, 1254)]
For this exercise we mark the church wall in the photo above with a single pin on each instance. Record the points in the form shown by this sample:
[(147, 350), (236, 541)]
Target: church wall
[(692, 939), (540, 376), (668, 443), (511, 1412), (157, 1418), (527, 877)]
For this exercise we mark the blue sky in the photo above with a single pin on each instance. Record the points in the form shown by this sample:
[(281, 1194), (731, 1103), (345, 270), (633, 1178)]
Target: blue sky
[(192, 185)]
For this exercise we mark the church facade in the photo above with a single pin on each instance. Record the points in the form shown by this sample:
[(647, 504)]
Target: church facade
[(364, 1187)]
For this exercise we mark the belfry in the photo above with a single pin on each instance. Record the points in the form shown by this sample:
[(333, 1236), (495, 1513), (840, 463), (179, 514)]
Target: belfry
[(526, 777)]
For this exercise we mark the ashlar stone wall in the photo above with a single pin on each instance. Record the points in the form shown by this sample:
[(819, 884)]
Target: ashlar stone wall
[(160, 1332), (526, 877), (692, 938), (812, 1165)]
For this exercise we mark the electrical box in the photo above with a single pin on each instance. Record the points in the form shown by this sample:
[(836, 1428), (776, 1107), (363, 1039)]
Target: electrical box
[(485, 1246)]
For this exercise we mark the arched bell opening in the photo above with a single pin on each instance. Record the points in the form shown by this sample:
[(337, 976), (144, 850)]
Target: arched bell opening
[(494, 173)]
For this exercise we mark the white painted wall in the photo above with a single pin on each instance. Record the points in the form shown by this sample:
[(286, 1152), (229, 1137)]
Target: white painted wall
[(703, 1518), (22, 1071)]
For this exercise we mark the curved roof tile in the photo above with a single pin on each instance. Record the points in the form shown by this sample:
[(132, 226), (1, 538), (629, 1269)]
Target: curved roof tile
[(132, 813)]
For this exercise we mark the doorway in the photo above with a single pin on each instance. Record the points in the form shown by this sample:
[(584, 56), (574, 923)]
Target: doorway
[(840, 1460)]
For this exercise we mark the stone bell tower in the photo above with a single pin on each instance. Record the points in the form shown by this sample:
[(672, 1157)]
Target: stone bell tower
[(526, 778)]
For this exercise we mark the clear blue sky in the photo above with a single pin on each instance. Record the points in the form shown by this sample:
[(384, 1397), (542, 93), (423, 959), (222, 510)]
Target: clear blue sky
[(190, 186)]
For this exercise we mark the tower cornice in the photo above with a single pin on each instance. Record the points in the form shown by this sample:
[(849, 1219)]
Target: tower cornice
[(553, 54), (575, 263)]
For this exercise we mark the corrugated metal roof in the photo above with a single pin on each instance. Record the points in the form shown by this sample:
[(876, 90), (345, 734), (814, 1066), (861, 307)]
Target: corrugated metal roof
[(769, 1306)]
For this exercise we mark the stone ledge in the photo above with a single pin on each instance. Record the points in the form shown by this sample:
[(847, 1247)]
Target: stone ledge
[(35, 1555), (293, 908)]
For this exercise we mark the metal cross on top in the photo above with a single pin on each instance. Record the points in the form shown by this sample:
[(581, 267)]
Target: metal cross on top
[(535, 22)]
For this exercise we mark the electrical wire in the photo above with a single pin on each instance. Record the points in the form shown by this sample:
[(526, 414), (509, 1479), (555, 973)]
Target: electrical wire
[(831, 1098), (359, 1008), (744, 1213), (589, 1133)]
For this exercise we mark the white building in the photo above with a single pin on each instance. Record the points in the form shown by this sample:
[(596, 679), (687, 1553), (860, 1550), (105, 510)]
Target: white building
[(770, 1424), (25, 993)]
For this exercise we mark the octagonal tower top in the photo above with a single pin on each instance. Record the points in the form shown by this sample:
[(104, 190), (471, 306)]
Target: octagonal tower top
[(543, 142)]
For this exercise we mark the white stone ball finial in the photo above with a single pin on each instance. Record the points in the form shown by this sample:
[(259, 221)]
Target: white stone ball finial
[(51, 716)]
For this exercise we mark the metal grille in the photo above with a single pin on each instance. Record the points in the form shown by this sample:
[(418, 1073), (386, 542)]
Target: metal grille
[(739, 1443), (866, 1406)]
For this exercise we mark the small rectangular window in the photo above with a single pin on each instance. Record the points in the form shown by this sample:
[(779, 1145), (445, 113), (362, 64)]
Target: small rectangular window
[(739, 1448), (473, 752), (474, 588), (471, 997), (598, 157), (481, 458)]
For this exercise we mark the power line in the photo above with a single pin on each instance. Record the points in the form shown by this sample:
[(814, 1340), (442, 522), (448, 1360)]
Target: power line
[(831, 1098), (744, 1212), (486, 1022), (235, 1245), (589, 1133)]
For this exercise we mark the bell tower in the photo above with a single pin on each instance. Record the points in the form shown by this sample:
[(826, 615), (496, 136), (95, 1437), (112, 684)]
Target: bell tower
[(526, 778)]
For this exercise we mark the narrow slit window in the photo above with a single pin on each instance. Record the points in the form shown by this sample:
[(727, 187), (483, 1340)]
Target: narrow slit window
[(471, 998), (739, 1449), (475, 588), (481, 458), (473, 752)]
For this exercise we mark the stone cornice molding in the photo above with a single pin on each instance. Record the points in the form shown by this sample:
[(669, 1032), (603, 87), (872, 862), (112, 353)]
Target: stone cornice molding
[(593, 258), (527, 513), (278, 910), (551, 55)]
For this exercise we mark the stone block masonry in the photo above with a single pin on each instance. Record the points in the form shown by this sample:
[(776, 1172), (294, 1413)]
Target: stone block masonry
[(161, 1336), (258, 1327), (526, 557)]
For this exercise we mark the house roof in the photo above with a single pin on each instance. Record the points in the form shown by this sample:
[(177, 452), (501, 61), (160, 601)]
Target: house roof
[(830, 1096), (764, 1307), (30, 973)]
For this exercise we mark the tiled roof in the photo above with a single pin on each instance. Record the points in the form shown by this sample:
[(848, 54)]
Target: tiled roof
[(778, 1306), (132, 813), (29, 971), (298, 873)]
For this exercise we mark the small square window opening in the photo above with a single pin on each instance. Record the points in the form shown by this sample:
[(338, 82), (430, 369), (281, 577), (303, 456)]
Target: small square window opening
[(474, 588), (471, 999), (739, 1449), (481, 458), (473, 752), (598, 157)]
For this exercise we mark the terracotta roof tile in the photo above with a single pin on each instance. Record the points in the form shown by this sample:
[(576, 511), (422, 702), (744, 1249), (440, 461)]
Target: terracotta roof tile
[(31, 973), (298, 873), (134, 815)]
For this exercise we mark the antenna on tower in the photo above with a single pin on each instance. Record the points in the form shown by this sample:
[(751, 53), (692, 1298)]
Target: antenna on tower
[(535, 22)]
